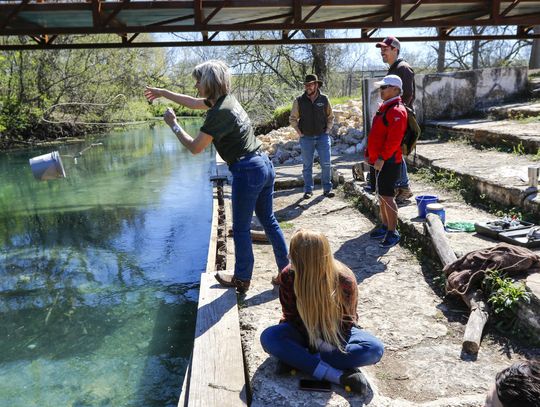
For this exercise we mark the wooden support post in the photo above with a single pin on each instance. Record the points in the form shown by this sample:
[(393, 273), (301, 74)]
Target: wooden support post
[(479, 309)]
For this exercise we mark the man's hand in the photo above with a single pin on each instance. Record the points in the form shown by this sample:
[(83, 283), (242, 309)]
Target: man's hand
[(378, 164), (170, 117)]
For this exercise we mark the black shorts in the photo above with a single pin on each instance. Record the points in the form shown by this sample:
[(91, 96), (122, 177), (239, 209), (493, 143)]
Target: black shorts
[(386, 178)]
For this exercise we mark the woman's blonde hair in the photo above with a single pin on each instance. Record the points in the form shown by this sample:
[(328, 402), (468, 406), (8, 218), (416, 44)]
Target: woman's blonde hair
[(319, 297), (214, 77)]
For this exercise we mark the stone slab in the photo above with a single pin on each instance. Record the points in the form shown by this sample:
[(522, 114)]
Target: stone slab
[(514, 110), (489, 133), (501, 176), (422, 365)]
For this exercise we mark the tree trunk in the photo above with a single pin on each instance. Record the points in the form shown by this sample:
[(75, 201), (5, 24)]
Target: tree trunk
[(475, 54), (318, 52), (534, 61), (476, 47), (441, 54)]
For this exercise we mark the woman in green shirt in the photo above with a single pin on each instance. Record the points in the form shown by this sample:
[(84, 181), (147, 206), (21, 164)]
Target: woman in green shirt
[(228, 127)]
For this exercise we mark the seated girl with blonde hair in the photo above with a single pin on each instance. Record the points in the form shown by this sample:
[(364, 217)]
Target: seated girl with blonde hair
[(318, 333)]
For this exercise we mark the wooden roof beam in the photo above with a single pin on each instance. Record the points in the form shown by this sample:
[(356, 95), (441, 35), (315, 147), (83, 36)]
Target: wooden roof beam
[(495, 10), (471, 14), (396, 12), (369, 15), (114, 13), (214, 12), (130, 40), (365, 33), (291, 35), (109, 45), (411, 10), (524, 30), (315, 9), (12, 15), (446, 31), (97, 13), (197, 11), (297, 11), (510, 7), (263, 19), (44, 39), (172, 20)]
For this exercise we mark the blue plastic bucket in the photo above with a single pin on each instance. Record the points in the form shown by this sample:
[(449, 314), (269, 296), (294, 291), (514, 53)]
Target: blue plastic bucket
[(438, 210), (422, 201), (47, 166)]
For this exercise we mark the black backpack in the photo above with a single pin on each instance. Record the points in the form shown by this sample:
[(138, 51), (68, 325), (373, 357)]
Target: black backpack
[(412, 133)]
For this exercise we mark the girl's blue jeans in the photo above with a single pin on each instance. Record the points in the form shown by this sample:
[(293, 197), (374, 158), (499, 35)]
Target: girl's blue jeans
[(253, 190), (286, 343)]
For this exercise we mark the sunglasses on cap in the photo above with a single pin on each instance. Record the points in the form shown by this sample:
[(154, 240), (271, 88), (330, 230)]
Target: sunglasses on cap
[(383, 87)]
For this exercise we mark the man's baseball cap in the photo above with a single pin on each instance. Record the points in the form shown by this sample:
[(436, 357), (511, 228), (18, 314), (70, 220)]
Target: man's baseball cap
[(390, 80), (389, 42)]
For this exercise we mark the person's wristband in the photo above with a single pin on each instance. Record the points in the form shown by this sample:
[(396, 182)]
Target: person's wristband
[(176, 129)]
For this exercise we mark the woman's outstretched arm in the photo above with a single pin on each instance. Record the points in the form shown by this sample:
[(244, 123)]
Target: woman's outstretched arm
[(185, 100)]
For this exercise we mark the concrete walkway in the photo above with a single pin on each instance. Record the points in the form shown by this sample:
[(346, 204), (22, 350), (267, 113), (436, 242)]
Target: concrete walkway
[(513, 110), (520, 135), (422, 365), (500, 176)]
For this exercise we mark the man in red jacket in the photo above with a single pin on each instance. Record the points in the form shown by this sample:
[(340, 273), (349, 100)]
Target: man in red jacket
[(384, 154)]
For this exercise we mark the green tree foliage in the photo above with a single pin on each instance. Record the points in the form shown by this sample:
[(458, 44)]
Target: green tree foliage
[(31, 82)]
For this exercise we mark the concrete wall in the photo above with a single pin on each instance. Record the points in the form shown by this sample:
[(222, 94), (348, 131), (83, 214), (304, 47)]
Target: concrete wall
[(457, 94)]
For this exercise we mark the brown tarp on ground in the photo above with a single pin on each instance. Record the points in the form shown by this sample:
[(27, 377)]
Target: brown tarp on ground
[(466, 273)]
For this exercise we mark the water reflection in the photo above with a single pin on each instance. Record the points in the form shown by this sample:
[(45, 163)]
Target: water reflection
[(99, 271)]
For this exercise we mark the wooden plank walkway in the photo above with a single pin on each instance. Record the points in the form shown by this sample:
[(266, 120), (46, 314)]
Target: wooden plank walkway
[(217, 370), (215, 376)]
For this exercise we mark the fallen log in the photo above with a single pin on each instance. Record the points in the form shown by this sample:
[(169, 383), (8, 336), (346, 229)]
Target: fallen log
[(479, 309), (442, 246), (477, 320)]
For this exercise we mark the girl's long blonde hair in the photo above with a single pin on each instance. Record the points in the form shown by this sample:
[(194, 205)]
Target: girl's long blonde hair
[(319, 297)]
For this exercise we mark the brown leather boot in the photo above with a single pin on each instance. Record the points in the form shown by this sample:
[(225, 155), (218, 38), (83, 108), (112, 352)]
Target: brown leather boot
[(227, 279), (403, 195)]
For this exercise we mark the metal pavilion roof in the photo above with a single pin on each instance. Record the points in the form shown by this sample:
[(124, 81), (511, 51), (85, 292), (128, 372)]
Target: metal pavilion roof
[(45, 20)]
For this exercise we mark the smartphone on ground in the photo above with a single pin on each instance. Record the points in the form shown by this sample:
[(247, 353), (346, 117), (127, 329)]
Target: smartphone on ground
[(315, 385)]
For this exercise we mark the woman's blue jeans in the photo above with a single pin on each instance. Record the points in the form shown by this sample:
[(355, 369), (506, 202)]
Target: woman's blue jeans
[(253, 190), (286, 343), (322, 144)]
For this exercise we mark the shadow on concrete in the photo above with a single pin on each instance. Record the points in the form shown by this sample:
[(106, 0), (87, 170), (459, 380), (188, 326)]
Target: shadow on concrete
[(288, 393), (296, 208), (258, 299), (363, 256)]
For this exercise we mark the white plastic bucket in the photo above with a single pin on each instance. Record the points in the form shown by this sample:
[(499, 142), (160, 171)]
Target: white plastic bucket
[(437, 209), (47, 166)]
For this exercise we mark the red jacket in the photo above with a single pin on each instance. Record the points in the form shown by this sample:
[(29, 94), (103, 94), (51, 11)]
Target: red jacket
[(384, 141)]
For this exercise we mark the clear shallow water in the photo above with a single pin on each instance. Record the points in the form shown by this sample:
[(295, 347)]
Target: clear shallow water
[(99, 272)]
